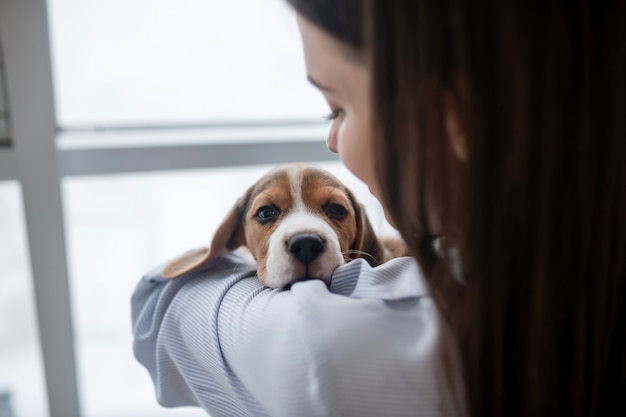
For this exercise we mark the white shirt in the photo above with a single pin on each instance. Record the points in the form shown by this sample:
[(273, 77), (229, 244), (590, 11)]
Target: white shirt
[(366, 346)]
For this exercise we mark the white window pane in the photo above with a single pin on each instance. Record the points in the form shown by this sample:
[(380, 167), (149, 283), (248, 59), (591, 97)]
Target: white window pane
[(178, 61), (118, 228), (21, 370)]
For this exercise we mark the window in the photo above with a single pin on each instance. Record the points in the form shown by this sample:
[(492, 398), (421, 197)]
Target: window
[(174, 62), (22, 387)]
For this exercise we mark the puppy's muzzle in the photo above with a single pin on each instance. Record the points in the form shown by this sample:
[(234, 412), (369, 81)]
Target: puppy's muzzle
[(305, 247)]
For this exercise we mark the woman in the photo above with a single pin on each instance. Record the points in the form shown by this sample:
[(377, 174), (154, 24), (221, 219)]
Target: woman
[(494, 135)]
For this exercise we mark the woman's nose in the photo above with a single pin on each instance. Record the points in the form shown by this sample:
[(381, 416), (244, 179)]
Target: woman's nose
[(331, 142)]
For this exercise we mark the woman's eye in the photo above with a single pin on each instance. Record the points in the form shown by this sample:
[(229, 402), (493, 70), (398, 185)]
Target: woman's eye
[(332, 115), (266, 213), (336, 211)]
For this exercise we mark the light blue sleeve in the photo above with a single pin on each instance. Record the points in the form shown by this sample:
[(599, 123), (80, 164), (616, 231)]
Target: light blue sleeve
[(220, 340)]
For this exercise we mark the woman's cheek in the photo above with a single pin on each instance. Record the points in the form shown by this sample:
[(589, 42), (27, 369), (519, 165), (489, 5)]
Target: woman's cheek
[(353, 149)]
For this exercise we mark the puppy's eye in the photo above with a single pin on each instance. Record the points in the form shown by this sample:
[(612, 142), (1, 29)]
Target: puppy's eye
[(335, 211), (266, 214)]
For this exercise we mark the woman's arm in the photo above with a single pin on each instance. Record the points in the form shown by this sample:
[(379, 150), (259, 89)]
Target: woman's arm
[(222, 341)]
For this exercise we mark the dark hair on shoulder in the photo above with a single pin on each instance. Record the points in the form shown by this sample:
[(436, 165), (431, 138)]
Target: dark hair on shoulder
[(537, 212)]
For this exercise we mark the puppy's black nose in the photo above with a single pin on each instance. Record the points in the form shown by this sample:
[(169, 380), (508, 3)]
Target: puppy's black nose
[(305, 247)]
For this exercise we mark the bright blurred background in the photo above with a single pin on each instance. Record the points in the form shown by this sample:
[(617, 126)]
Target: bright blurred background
[(145, 72)]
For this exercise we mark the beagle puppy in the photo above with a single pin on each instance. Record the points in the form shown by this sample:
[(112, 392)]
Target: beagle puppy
[(299, 222)]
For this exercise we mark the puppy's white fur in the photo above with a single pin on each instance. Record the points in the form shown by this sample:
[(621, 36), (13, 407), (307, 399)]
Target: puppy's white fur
[(283, 268)]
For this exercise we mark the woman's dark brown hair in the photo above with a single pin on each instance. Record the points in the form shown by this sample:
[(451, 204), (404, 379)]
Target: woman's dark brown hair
[(538, 209)]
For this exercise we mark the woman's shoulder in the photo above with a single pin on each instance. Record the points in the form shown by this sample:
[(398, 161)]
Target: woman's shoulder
[(396, 279), (359, 295), (369, 342)]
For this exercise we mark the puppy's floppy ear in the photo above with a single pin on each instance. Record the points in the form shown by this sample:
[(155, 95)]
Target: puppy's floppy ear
[(366, 244), (229, 236)]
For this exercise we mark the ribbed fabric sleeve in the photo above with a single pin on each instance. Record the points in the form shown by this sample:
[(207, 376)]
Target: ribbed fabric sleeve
[(218, 339)]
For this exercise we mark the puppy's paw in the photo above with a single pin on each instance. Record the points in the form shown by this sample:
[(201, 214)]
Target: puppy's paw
[(393, 247)]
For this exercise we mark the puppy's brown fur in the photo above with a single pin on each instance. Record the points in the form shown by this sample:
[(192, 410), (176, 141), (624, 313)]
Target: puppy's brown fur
[(288, 202)]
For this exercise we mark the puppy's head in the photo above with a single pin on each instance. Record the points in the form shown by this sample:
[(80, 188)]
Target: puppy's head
[(298, 221)]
